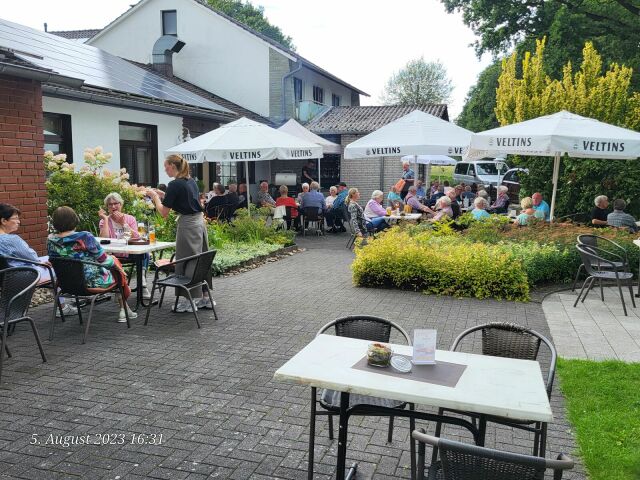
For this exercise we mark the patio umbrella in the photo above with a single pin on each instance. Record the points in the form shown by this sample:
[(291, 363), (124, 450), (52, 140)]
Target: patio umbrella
[(417, 133), (248, 141), (294, 128), (556, 135)]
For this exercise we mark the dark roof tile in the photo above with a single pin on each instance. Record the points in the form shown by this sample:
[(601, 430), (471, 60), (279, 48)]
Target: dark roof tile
[(363, 120), (76, 34)]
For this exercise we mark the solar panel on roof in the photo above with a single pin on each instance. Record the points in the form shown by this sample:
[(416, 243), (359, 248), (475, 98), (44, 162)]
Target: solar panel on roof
[(96, 67)]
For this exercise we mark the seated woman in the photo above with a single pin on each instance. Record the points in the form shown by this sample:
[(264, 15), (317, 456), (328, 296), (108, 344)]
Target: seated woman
[(375, 212), (416, 206), (84, 246), (358, 220), (113, 223), (444, 204), (501, 205), (15, 246), (305, 190), (393, 196), (284, 200), (527, 213), (480, 210)]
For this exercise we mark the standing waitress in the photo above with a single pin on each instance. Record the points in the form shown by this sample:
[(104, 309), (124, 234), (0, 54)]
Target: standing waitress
[(182, 196)]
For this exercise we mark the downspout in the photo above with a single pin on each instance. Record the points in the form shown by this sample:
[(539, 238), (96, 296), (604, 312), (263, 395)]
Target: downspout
[(284, 82)]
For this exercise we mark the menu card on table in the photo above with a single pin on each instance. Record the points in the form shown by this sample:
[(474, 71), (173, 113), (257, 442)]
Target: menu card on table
[(424, 347)]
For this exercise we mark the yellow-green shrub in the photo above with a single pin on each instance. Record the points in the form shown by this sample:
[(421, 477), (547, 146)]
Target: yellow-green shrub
[(442, 265)]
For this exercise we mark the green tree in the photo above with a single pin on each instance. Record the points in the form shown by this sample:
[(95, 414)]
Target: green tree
[(502, 25), (253, 17), (478, 112), (418, 83), (590, 92)]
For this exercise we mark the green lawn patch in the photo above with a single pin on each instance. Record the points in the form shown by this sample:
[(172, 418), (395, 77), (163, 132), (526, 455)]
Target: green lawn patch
[(603, 401)]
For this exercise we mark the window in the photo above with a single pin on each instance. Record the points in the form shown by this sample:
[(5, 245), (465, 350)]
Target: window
[(169, 23), (57, 134), (297, 90), (139, 152), (461, 168), (335, 100), (318, 94)]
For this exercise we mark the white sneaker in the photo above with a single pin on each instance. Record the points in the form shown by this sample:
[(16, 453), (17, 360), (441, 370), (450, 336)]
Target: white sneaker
[(122, 318), (146, 294), (67, 310), (183, 306), (204, 303)]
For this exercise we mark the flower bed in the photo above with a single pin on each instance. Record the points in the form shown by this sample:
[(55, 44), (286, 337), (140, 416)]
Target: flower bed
[(477, 259)]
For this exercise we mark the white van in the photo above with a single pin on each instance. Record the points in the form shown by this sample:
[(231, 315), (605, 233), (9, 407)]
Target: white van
[(485, 172)]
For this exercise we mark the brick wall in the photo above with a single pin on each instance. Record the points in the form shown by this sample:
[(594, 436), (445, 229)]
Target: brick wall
[(21, 149), (364, 174)]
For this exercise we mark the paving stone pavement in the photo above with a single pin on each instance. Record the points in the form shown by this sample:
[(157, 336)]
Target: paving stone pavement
[(595, 329), (210, 392)]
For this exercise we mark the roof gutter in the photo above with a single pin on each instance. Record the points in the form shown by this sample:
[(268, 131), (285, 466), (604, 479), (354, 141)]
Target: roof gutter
[(284, 83), (40, 75), (164, 107)]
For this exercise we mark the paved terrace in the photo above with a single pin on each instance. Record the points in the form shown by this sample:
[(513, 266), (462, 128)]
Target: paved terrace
[(210, 392)]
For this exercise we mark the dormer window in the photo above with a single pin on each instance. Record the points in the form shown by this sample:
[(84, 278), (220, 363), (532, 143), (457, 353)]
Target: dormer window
[(169, 23), (318, 94), (335, 100)]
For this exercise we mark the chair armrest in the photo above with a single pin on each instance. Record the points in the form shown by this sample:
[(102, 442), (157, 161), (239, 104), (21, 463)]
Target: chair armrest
[(32, 262), (173, 262)]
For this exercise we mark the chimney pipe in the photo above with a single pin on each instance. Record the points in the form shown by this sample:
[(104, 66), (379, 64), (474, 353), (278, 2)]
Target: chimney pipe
[(163, 51), (45, 26)]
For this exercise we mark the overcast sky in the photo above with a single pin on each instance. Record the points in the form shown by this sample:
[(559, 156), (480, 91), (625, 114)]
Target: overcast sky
[(360, 41)]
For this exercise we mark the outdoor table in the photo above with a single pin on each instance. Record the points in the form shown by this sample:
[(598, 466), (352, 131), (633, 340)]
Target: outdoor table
[(407, 216), (137, 253), (497, 386)]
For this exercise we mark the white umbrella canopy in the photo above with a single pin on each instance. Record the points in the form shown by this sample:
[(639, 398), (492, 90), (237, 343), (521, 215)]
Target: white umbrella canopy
[(417, 133), (556, 135), (439, 160), (294, 128), (246, 140)]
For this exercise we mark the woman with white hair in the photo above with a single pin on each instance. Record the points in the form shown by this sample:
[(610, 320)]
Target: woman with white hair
[(374, 212), (600, 212), (480, 209), (305, 190), (501, 205), (444, 205)]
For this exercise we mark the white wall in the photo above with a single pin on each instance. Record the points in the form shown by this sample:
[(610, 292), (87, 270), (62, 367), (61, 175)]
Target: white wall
[(310, 78), (93, 125), (218, 56)]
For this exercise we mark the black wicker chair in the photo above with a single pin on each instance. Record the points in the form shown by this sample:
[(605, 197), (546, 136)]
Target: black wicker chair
[(460, 461), (197, 270), (71, 283), (601, 265), (312, 220), (18, 285), (606, 245), (363, 327), (510, 341), (48, 284)]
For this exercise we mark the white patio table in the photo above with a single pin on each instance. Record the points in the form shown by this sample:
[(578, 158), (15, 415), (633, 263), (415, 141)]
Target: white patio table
[(137, 253), (407, 216), (489, 385)]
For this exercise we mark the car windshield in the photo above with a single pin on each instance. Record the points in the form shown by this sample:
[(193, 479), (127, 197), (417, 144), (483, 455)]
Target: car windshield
[(491, 168)]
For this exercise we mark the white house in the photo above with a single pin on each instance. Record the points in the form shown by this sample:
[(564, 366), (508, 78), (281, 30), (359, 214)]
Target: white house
[(227, 58), (130, 111)]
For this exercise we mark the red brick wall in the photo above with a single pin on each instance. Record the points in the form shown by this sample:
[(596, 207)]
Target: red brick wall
[(21, 148)]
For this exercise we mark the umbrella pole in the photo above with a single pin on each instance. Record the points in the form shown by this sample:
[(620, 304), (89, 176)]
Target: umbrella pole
[(556, 172), (319, 182), (246, 176)]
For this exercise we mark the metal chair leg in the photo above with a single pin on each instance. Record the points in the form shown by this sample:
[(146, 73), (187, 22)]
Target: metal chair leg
[(330, 419), (213, 305), (56, 299), (601, 290), (86, 329), (3, 344), (35, 334), (193, 306), (586, 281), (153, 292), (575, 280), (624, 307), (79, 310), (390, 431), (633, 300), (434, 453)]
